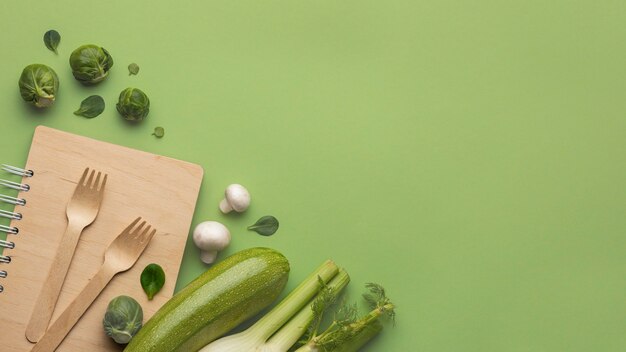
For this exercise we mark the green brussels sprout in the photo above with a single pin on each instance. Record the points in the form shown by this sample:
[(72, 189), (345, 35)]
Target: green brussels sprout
[(133, 104), (39, 85), (123, 319), (90, 63)]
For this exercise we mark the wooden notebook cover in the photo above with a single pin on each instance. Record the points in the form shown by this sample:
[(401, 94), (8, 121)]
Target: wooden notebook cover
[(161, 190)]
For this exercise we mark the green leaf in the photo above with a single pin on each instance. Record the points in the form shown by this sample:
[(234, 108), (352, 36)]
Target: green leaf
[(91, 107), (133, 69), (52, 39), (152, 279), (266, 226), (159, 132), (377, 300)]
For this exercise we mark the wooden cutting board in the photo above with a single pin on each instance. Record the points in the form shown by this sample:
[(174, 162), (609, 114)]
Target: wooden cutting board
[(161, 190)]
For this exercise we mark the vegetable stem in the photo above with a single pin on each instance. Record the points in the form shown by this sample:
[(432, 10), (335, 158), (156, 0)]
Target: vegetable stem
[(255, 337), (289, 334), (309, 347), (347, 333), (289, 306), (361, 338)]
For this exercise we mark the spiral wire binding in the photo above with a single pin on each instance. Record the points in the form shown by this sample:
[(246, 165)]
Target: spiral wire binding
[(17, 171), (7, 244), (15, 185), (11, 215), (12, 200), (12, 230)]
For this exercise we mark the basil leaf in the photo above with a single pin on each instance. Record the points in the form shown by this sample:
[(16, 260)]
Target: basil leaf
[(266, 226), (52, 39), (152, 279), (133, 69), (159, 132), (91, 107)]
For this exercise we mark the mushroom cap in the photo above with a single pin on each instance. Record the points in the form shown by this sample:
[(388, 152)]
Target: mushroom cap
[(211, 236), (238, 197)]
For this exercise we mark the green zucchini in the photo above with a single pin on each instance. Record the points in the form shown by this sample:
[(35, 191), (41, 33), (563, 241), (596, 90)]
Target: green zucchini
[(227, 294)]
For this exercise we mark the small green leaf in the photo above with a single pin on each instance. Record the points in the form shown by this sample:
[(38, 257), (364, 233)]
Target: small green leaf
[(91, 107), (159, 132), (52, 39), (266, 226), (133, 69), (152, 279)]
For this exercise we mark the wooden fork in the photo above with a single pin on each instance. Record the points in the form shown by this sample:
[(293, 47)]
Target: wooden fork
[(121, 255), (82, 210)]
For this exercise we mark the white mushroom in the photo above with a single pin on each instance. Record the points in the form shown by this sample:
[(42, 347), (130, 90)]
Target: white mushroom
[(211, 237), (236, 198)]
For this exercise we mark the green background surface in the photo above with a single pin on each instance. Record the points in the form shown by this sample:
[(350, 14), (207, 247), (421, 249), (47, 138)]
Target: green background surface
[(469, 156)]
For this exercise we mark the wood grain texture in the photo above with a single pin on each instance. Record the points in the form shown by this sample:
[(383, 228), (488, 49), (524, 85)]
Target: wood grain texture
[(71, 315), (120, 256), (46, 300), (161, 190), (82, 210)]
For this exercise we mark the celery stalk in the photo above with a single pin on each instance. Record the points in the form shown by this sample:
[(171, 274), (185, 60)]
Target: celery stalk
[(361, 338), (258, 334), (347, 333), (345, 338), (289, 334)]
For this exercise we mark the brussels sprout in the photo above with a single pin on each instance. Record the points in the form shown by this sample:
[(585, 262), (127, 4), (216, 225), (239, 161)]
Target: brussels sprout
[(123, 319), (134, 104), (90, 63), (39, 85)]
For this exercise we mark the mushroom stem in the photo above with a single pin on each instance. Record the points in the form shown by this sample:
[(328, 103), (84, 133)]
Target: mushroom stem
[(208, 257), (225, 206), (210, 237)]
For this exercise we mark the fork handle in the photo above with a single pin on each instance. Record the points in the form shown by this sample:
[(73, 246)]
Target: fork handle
[(70, 316), (49, 295)]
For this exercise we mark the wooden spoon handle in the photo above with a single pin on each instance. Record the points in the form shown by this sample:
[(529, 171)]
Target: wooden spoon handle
[(49, 294), (70, 316)]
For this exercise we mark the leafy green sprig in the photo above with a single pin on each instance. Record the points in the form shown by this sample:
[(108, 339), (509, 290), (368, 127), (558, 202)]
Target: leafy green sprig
[(347, 330)]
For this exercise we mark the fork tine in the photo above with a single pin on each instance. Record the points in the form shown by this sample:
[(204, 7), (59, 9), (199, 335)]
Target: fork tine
[(104, 182), (97, 181), (90, 180), (84, 177), (148, 237), (138, 228), (130, 227), (143, 232)]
